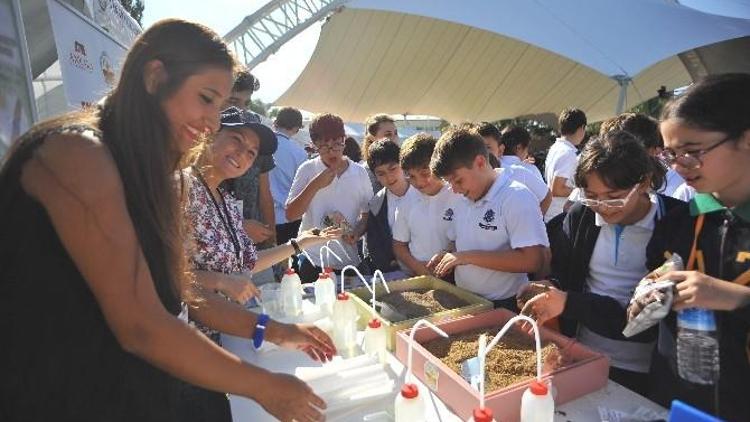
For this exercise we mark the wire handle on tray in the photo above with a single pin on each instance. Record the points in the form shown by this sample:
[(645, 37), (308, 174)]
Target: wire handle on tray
[(421, 322)]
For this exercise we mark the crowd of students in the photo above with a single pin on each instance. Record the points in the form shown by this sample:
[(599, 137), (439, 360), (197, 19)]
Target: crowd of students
[(126, 225)]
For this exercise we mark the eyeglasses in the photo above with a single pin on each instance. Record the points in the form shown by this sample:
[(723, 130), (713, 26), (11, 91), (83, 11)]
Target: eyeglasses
[(332, 145), (609, 203), (688, 160)]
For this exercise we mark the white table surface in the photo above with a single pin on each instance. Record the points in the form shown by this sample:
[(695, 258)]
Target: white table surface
[(613, 396)]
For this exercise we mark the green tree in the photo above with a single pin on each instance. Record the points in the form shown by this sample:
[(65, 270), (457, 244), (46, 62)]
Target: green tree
[(135, 8)]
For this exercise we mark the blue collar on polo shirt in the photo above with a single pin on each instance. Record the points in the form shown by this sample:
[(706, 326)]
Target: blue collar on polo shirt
[(647, 222)]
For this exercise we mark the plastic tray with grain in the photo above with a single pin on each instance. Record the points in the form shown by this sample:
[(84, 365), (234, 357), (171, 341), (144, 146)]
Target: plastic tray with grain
[(362, 296), (578, 371)]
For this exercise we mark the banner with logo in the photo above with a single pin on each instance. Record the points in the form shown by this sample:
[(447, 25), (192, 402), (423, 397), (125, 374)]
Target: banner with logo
[(111, 16), (16, 100), (90, 59)]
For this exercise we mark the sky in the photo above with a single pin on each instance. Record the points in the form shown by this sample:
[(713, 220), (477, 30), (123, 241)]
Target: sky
[(280, 70), (277, 73)]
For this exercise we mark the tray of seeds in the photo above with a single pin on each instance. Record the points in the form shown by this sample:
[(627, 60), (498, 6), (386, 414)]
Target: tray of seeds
[(572, 369), (412, 299)]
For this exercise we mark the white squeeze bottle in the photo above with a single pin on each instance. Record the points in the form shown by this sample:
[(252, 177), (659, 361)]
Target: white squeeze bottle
[(325, 293), (375, 339), (344, 323), (291, 293), (482, 414), (409, 406), (537, 404)]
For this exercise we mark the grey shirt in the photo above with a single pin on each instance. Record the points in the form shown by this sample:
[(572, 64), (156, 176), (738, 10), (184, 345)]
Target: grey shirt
[(247, 187)]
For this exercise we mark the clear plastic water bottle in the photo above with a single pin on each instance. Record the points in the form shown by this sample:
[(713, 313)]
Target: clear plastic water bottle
[(697, 346)]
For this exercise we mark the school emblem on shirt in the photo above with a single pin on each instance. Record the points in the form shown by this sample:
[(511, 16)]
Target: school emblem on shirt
[(448, 215), (488, 218)]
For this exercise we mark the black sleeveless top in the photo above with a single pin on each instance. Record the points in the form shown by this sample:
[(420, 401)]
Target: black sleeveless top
[(59, 361)]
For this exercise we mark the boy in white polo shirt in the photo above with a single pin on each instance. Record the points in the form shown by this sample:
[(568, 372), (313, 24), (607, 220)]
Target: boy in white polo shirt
[(562, 159), (423, 226), (330, 188), (499, 231)]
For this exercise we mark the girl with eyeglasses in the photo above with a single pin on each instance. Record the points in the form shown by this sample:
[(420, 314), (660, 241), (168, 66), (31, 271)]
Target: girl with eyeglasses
[(707, 140), (598, 253)]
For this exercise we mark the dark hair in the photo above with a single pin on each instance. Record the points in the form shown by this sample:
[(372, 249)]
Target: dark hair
[(288, 118), (455, 149), (718, 103), (514, 137), (382, 152), (372, 123), (351, 149), (245, 81), (570, 120), (416, 151), (487, 129), (620, 160), (643, 127), (137, 133), (325, 126)]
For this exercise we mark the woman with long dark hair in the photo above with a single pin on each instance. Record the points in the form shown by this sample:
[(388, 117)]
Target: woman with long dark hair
[(92, 267)]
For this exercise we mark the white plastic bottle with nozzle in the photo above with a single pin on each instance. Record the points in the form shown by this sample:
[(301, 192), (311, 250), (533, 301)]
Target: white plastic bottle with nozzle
[(344, 324), (376, 339), (537, 404), (291, 293), (409, 406), (483, 414), (325, 293)]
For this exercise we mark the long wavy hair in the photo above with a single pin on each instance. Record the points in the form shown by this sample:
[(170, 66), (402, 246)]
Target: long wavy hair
[(136, 130)]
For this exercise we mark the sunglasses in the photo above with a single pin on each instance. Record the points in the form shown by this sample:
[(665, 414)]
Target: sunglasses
[(609, 203), (689, 160)]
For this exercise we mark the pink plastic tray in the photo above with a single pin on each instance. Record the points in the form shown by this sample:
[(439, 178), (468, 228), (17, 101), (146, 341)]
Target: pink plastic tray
[(588, 373)]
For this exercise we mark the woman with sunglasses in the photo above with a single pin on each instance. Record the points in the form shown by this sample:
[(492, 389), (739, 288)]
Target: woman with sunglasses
[(598, 253), (707, 140)]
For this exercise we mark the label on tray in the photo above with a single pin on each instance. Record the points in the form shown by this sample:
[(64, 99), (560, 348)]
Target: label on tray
[(431, 375)]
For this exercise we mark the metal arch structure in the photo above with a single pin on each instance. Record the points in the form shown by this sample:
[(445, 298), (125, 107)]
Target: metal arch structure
[(261, 34)]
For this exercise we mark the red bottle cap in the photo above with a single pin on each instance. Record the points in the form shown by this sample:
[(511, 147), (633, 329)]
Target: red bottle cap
[(289, 271), (409, 391), (538, 389), (374, 323), (328, 270), (483, 414), (342, 296)]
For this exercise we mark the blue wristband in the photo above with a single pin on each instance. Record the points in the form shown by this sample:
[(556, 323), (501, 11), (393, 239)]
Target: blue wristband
[(260, 330)]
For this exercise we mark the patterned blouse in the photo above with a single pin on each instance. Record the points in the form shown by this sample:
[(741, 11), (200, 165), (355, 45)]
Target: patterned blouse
[(214, 239)]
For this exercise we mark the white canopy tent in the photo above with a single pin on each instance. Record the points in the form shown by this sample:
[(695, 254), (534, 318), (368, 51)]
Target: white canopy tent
[(480, 60)]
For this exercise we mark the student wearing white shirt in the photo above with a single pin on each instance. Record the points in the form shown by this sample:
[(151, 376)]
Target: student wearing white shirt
[(561, 160), (516, 141), (599, 253), (518, 172), (500, 235), (330, 188), (288, 157), (423, 227), (491, 135), (383, 159)]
